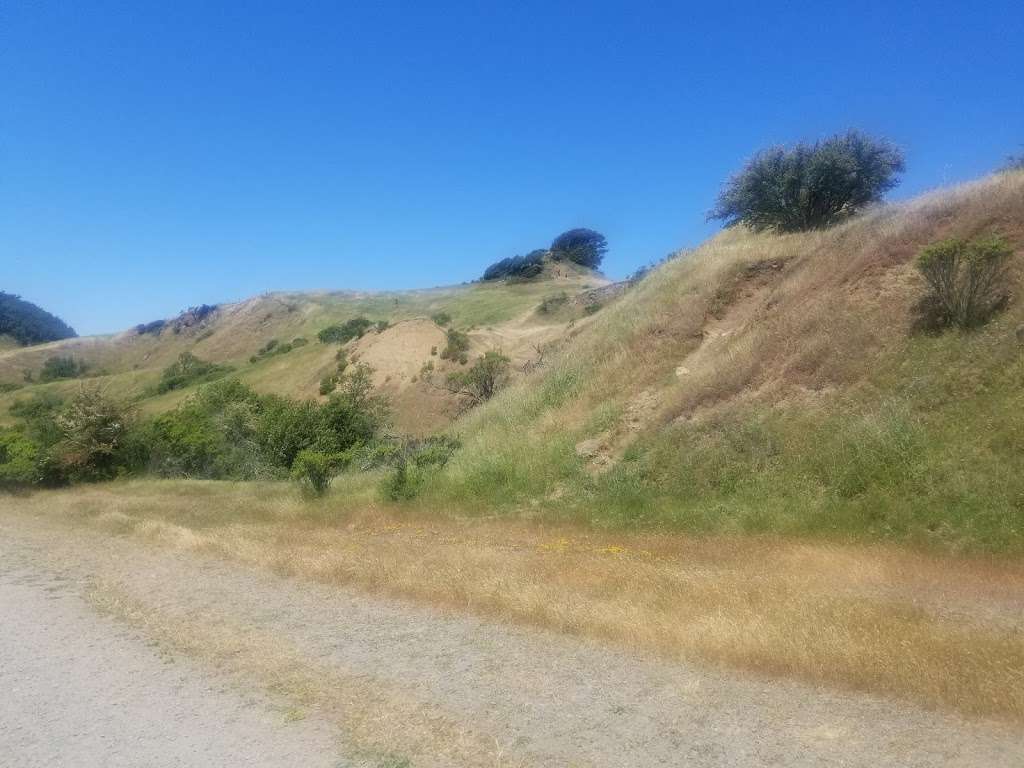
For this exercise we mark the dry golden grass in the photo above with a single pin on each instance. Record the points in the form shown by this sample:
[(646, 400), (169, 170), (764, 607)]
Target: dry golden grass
[(947, 632)]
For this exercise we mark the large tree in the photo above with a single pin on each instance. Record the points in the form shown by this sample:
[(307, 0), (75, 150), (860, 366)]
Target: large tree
[(810, 186), (582, 246)]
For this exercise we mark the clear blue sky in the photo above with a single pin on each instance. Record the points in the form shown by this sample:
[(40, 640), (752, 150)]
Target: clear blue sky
[(158, 155)]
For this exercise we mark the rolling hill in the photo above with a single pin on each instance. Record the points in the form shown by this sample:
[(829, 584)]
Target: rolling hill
[(759, 383), (776, 383), (497, 315)]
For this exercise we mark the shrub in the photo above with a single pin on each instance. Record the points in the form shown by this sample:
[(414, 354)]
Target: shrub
[(580, 246), (19, 460), (441, 318), (340, 334), (1013, 163), (57, 367), (210, 435), (552, 304), (328, 384), (966, 282), (811, 186), (187, 370), (9, 386), (274, 347), (37, 414), (152, 328), (313, 471), (300, 341), (29, 324), (481, 381), (94, 436), (457, 346), (413, 462)]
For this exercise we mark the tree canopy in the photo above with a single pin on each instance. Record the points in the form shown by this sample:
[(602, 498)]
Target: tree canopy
[(581, 246), (810, 186), (30, 324)]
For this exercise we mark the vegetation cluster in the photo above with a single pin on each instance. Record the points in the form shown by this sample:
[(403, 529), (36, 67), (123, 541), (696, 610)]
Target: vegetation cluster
[(29, 324)]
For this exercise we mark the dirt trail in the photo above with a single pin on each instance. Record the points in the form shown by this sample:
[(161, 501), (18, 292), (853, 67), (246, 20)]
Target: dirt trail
[(443, 689), (78, 689)]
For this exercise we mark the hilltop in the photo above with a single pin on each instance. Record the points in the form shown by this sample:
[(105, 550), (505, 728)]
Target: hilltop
[(23, 323)]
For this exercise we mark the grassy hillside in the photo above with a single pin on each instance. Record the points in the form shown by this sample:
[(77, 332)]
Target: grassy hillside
[(773, 383), (128, 364)]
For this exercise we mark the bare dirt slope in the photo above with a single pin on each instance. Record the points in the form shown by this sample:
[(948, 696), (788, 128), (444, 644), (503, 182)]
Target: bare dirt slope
[(396, 679)]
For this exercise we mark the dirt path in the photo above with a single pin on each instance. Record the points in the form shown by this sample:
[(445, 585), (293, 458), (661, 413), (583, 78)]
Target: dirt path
[(392, 677), (79, 689)]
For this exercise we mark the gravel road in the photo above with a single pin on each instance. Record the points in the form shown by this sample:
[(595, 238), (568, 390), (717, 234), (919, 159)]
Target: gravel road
[(81, 689)]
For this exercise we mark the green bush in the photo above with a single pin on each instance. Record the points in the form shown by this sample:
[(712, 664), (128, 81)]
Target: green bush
[(552, 304), (328, 383), (274, 347), (441, 318), (967, 282), (413, 461), (350, 329), (481, 381), (37, 414), (457, 346), (61, 367), (188, 370), (811, 186), (19, 460), (95, 439), (313, 470)]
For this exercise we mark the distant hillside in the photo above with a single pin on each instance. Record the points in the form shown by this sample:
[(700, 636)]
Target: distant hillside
[(499, 314), (28, 324)]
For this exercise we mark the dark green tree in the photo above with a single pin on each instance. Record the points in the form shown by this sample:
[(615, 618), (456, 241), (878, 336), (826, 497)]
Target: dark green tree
[(810, 186), (29, 324), (581, 246)]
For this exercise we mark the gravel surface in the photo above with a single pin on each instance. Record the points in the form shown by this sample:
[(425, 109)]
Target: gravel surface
[(547, 699), (79, 690)]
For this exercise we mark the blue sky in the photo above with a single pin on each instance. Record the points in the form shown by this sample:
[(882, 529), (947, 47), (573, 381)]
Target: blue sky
[(159, 155)]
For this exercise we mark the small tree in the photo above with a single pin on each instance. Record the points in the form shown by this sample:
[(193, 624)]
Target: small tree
[(457, 346), (966, 281), (811, 186), (482, 380), (581, 246), (313, 470), (94, 430)]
